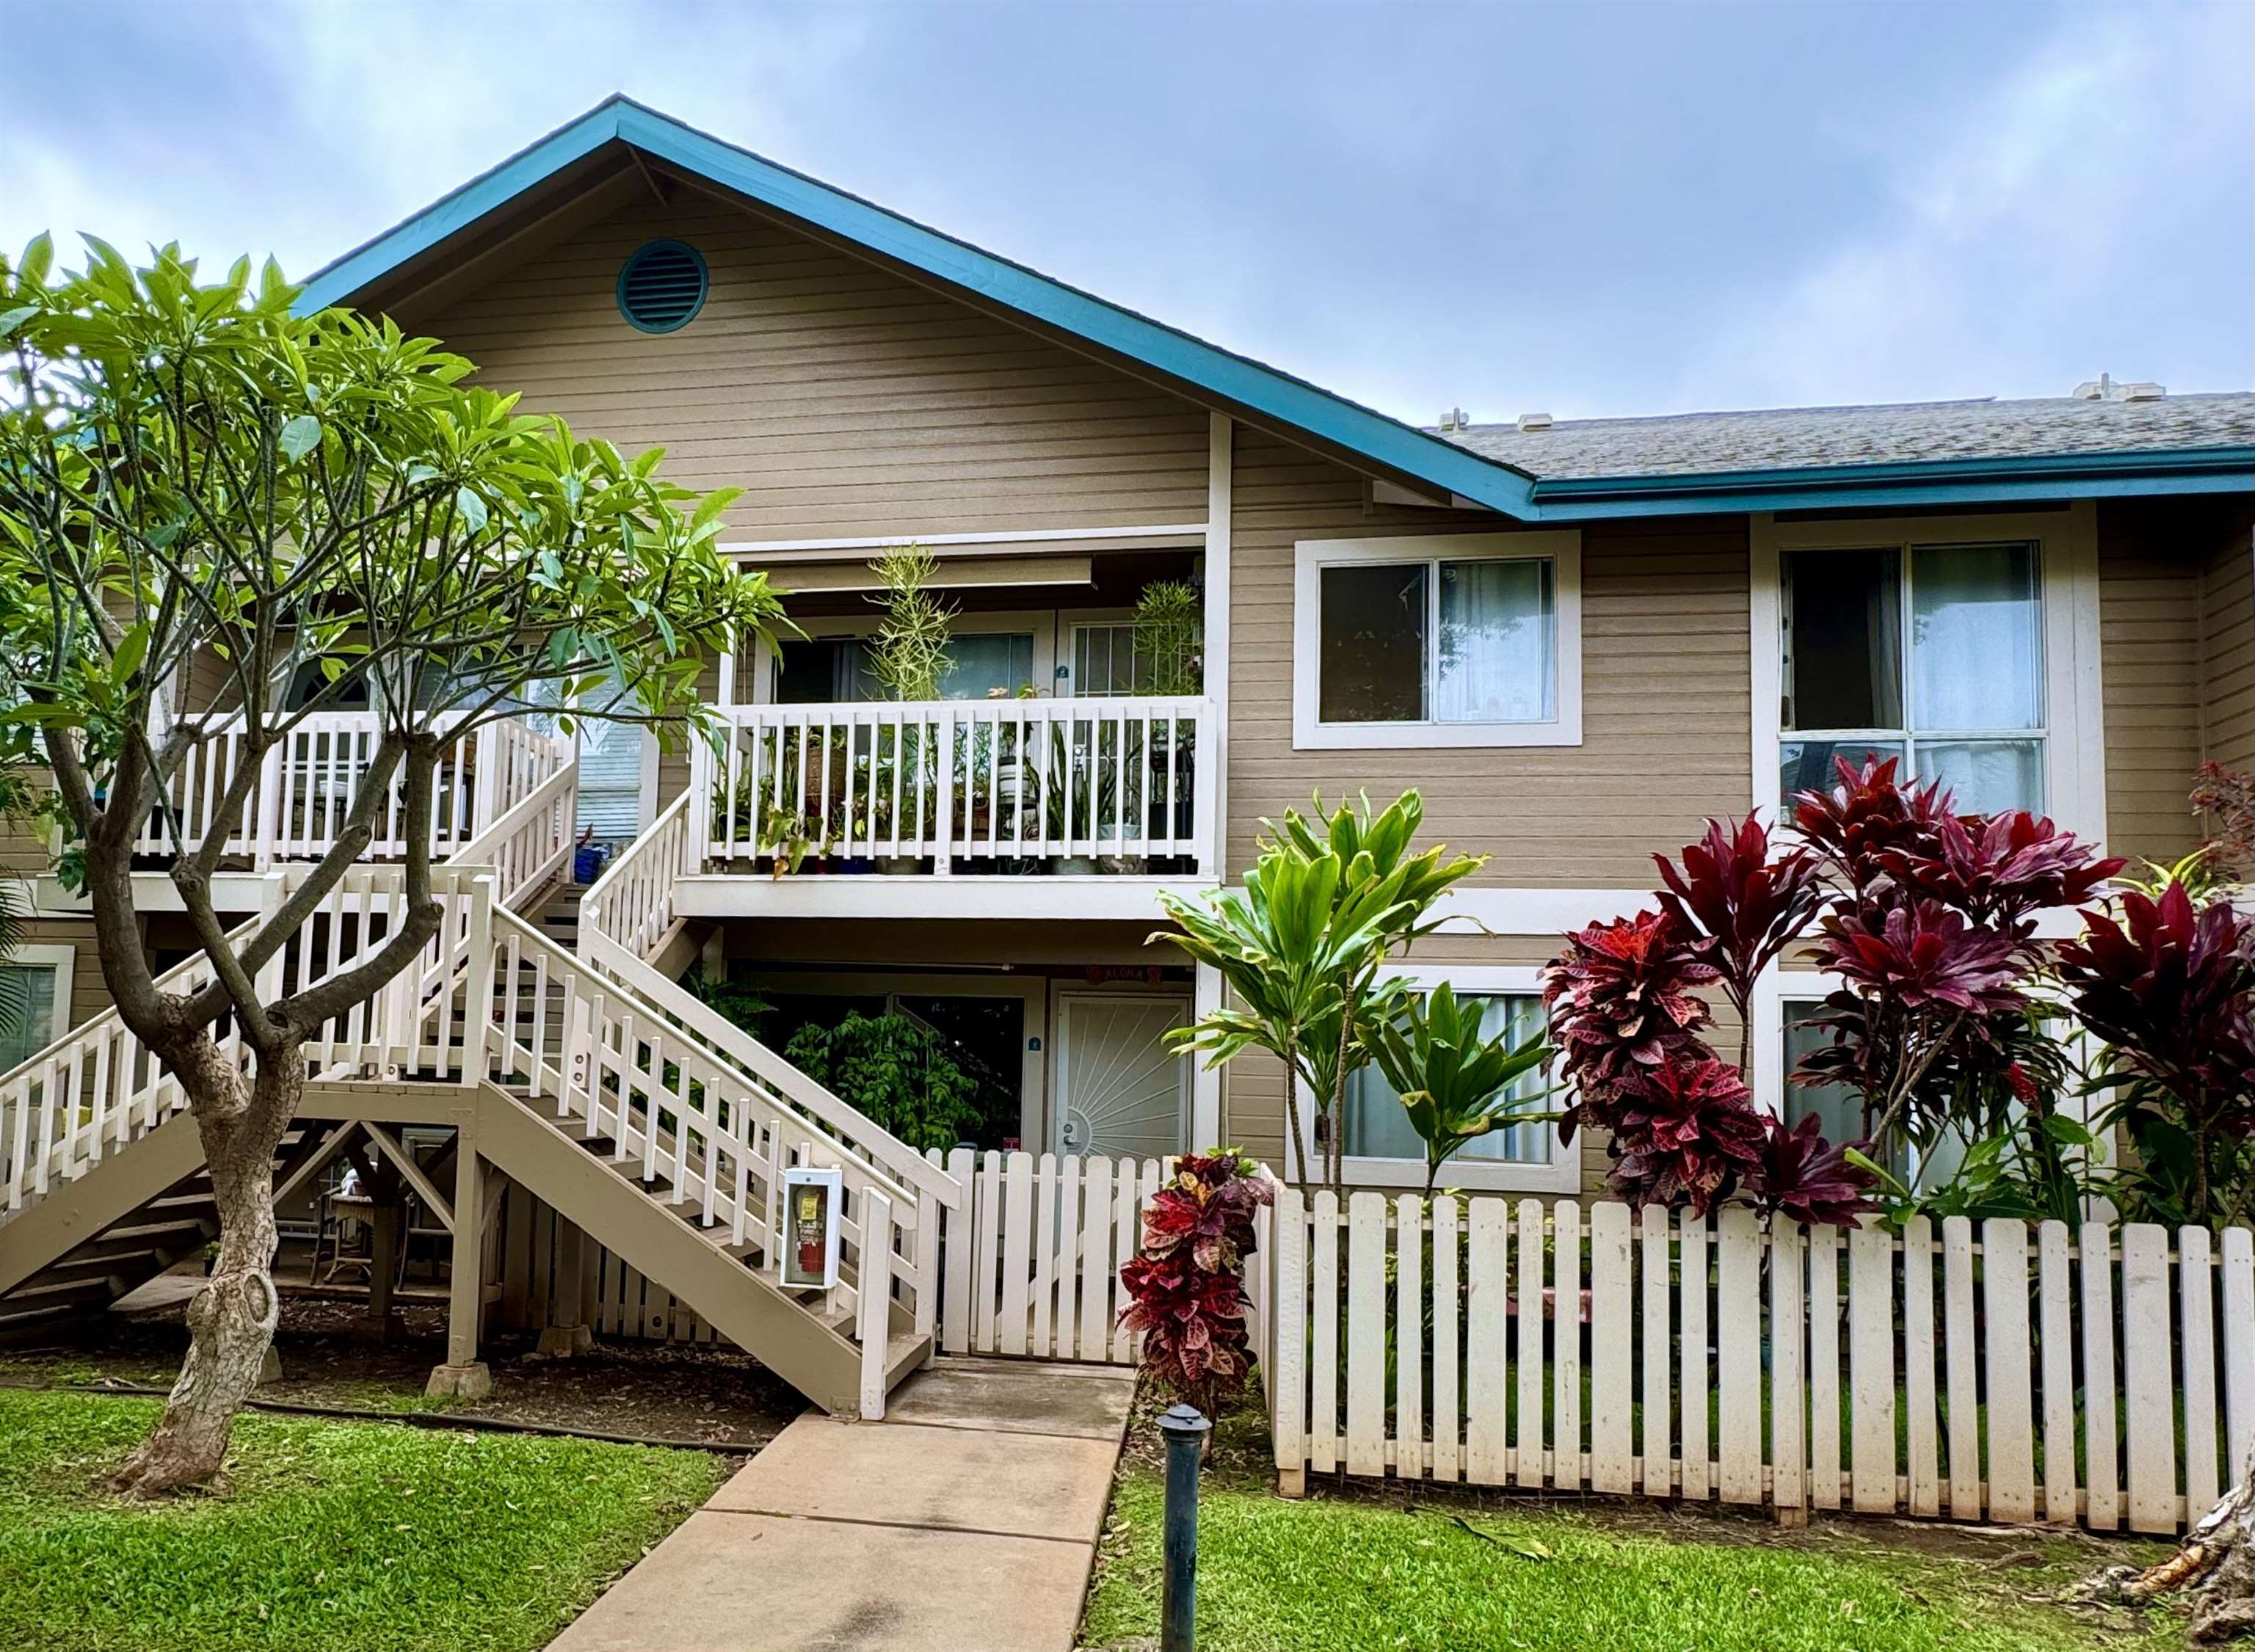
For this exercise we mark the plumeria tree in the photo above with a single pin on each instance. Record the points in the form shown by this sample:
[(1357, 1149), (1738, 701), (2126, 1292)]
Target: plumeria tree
[(308, 511)]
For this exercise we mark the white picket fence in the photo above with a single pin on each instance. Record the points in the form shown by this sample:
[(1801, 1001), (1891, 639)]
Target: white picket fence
[(1996, 1373), (1030, 1265)]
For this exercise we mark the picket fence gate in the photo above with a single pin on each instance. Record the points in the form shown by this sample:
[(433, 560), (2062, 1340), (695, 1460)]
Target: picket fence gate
[(1992, 1373), (1030, 1266)]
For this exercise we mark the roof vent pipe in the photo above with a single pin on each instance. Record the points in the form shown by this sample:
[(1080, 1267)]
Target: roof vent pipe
[(2104, 388), (1454, 419)]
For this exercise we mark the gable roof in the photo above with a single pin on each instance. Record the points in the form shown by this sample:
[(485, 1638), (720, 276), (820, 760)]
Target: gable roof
[(1948, 452), (1220, 376)]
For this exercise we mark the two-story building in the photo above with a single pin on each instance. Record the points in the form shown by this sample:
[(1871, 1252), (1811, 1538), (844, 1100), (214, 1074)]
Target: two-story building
[(1577, 638)]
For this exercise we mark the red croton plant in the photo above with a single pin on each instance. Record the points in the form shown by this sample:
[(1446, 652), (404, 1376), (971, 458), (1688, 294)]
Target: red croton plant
[(1187, 1280), (1927, 917)]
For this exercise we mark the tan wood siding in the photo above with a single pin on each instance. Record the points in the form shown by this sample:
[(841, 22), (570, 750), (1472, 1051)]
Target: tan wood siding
[(2227, 651), (2149, 643), (1665, 712), (845, 400)]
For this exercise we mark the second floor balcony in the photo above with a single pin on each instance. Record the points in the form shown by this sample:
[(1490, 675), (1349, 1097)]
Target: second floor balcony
[(309, 776), (1053, 788)]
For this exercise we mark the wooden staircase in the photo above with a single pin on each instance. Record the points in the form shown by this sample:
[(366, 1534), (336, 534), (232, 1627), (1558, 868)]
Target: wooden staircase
[(139, 1213), (656, 1226)]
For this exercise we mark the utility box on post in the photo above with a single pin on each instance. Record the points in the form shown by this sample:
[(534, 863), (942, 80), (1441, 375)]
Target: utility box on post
[(811, 1199)]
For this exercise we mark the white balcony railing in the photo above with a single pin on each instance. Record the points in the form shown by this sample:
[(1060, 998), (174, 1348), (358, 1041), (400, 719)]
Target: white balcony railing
[(1074, 786), (309, 777)]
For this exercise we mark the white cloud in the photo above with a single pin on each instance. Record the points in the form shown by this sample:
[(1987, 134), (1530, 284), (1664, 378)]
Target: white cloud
[(2012, 222)]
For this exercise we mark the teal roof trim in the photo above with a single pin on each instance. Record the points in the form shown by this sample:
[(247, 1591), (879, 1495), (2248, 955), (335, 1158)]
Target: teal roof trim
[(1225, 376), (2029, 476), (1239, 381)]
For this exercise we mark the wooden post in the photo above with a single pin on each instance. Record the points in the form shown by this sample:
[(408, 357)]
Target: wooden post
[(566, 1332), (464, 1373), (383, 1184)]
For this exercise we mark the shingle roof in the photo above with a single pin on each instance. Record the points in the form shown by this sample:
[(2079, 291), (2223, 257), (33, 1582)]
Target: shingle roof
[(1897, 433)]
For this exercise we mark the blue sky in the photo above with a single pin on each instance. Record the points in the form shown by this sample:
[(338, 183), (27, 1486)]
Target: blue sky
[(1600, 209)]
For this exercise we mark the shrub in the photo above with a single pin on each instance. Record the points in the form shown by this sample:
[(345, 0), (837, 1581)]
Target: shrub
[(2171, 988), (1187, 1280), (896, 1070)]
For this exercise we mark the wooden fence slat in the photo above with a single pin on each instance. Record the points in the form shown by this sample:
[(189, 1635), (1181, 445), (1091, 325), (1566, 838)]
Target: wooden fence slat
[(2149, 1382), (1871, 1368), (1068, 1258), (986, 1255), (1920, 1436), (2102, 1508), (1738, 1349), (2196, 1328), (1963, 1381), (2236, 1278), (1136, 1191), (955, 1304), (1366, 1333), (1488, 1370), (1448, 1353), (1788, 1296), (1288, 1378), (1692, 1357), (1017, 1243), (1096, 1259), (1658, 1445), (1612, 1349), (2012, 1479), (2055, 1318), (1324, 1348), (1527, 1346), (1824, 1368), (1408, 1320), (1043, 1338), (1566, 1460)]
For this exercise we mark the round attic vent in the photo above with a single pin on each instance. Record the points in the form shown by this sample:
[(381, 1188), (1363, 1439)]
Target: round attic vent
[(662, 286)]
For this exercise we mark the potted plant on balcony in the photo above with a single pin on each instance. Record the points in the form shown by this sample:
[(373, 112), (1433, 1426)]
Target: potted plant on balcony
[(1170, 664), (787, 837), (909, 658)]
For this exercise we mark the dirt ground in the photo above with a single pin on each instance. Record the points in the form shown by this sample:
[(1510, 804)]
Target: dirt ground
[(709, 1396)]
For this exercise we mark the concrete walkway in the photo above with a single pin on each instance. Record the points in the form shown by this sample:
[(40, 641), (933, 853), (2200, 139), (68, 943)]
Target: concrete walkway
[(966, 1521)]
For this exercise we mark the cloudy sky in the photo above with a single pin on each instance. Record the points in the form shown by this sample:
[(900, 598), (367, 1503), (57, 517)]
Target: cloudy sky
[(1595, 208)]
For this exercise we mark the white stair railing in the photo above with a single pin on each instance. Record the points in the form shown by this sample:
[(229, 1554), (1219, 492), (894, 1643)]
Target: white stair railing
[(531, 841), (632, 902), (683, 1115), (98, 1088)]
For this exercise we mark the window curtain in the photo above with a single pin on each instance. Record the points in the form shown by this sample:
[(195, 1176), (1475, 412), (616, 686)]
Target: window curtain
[(1976, 648), (1497, 643)]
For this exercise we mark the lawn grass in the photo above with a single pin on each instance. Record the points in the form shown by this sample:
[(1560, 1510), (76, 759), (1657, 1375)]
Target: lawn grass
[(1357, 1571), (366, 1535)]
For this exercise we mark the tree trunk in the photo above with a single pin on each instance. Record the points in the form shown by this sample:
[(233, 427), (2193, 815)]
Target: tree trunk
[(231, 1320), (2216, 1564)]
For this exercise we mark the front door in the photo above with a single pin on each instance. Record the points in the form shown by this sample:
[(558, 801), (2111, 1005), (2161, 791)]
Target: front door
[(1120, 1091)]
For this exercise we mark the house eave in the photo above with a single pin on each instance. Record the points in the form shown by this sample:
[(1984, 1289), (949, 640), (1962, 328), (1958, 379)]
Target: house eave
[(2021, 479)]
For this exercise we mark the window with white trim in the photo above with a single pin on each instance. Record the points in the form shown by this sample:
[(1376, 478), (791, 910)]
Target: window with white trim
[(1381, 1150), (35, 983), (1932, 653), (1438, 640), (1378, 1126)]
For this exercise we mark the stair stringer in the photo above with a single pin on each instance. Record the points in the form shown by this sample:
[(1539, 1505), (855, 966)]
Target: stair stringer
[(737, 1302), (71, 1213)]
